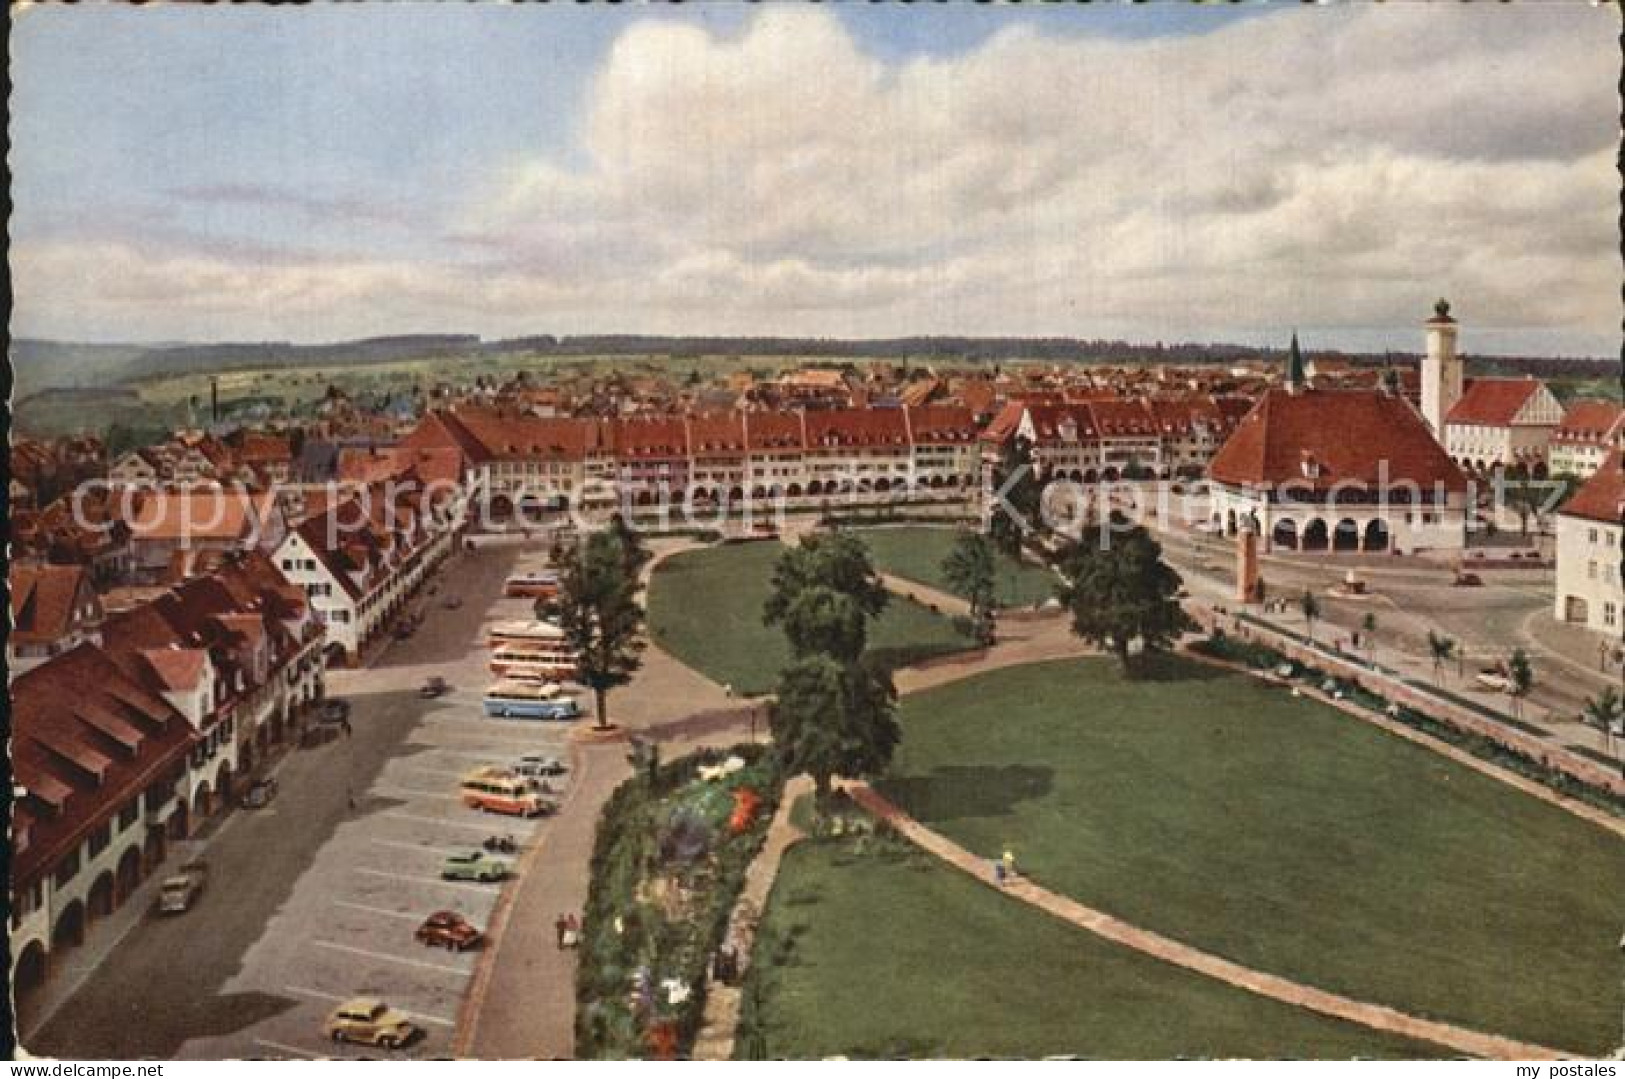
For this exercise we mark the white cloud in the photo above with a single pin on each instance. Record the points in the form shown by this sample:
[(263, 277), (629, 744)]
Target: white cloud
[(1316, 167)]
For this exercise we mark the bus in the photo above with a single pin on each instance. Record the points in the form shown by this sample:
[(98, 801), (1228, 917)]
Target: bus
[(533, 631), (513, 699), (535, 664), (497, 790), (532, 584)]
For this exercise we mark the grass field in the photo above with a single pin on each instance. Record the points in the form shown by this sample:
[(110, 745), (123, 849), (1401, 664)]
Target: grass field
[(918, 554), (705, 607), (1282, 834), (882, 951)]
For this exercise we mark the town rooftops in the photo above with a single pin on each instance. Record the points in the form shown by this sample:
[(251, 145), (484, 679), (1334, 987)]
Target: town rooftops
[(1324, 438), (1602, 497), (1492, 402), (43, 601), (1590, 422), (87, 739)]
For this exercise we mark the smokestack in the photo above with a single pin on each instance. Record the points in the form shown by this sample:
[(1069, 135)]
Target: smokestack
[(214, 399)]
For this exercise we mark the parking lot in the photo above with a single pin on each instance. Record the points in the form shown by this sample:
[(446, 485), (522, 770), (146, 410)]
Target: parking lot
[(347, 930), (314, 899)]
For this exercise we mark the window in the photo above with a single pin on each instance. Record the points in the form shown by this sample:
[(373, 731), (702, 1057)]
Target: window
[(100, 838), (1591, 570), (1610, 614), (1591, 535)]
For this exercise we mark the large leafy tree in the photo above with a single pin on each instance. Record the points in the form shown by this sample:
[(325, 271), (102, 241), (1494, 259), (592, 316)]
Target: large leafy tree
[(634, 555), (971, 570), (1122, 591), (1015, 497), (837, 561), (601, 618), (835, 719)]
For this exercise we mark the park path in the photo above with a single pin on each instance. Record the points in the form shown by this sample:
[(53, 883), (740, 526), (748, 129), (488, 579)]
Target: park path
[(1375, 1016), (720, 1023)]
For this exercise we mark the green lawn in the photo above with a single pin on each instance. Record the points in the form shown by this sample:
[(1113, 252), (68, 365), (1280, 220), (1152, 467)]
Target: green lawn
[(918, 553), (884, 952), (705, 608), (1283, 834)]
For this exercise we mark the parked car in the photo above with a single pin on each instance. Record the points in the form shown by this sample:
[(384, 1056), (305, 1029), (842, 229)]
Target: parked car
[(433, 688), (1468, 580), (259, 794), (538, 765), (475, 865), (370, 1022), (334, 710), (448, 929), (1493, 678), (178, 893)]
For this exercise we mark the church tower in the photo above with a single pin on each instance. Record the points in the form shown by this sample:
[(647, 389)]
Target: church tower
[(1296, 380), (1441, 369)]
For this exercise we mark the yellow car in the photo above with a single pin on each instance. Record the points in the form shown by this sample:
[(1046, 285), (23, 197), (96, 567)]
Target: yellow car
[(370, 1022)]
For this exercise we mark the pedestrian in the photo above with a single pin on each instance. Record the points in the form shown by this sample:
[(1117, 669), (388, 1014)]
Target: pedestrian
[(1009, 863), (560, 926), (998, 873), (349, 796)]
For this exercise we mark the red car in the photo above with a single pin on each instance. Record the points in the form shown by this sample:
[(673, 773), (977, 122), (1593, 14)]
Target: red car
[(448, 929)]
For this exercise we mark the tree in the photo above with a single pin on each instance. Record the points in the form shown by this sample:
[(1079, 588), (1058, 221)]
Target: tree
[(1309, 607), (971, 571), (1440, 648), (601, 618), (1122, 592), (1015, 496), (822, 621), (634, 555), (1368, 634), (1603, 712), (834, 719), (1521, 673), (837, 561)]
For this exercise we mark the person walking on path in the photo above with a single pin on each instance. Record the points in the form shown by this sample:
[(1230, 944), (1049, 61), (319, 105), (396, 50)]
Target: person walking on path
[(998, 873), (561, 925), (1008, 864)]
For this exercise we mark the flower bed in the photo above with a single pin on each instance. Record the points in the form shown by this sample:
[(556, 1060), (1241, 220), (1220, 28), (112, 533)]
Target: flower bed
[(668, 863)]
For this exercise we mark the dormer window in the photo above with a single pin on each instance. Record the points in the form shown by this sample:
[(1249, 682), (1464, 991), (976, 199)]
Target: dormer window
[(1311, 467)]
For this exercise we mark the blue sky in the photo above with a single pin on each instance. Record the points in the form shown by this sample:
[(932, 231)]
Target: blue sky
[(250, 172)]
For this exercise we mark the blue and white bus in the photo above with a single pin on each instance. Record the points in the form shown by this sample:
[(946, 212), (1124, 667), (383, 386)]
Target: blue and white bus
[(515, 699)]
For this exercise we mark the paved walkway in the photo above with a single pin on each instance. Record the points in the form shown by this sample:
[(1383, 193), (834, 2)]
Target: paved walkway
[(1375, 1016), (720, 1023)]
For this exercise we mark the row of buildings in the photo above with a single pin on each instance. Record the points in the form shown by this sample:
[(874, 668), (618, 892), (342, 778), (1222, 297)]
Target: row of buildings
[(131, 727)]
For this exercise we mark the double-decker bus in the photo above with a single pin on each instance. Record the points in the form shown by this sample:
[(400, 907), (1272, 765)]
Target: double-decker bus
[(517, 699), (531, 631), (497, 790)]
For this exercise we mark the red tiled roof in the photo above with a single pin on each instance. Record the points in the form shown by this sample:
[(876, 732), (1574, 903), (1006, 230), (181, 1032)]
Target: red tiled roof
[(716, 433), (651, 437), (86, 740), (774, 430), (942, 424), (1602, 497), (1589, 422), (1006, 423), (1344, 436), (44, 599), (1492, 402), (856, 427), (177, 669), (1049, 421), (226, 513)]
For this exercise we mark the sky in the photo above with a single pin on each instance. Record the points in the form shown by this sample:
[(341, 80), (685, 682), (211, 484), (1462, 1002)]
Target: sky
[(1160, 172)]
